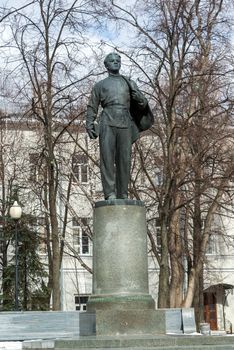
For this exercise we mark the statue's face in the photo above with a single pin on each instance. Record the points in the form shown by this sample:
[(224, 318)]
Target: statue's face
[(113, 63)]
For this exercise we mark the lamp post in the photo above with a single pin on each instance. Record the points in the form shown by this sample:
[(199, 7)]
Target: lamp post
[(15, 213)]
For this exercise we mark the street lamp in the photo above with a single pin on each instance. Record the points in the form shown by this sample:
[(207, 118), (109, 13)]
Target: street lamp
[(15, 213)]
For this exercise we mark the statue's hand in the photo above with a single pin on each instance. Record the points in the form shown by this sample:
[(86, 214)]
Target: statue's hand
[(92, 133), (139, 98), (136, 95)]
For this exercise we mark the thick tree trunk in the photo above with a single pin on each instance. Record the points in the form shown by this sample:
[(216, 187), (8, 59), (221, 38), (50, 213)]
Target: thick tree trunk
[(198, 300), (25, 286), (163, 290), (48, 246), (197, 239), (176, 285), (191, 287), (5, 279), (175, 251), (55, 243)]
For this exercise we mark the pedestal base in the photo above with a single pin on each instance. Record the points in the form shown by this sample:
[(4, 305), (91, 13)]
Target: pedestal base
[(130, 322), (121, 302), (114, 322)]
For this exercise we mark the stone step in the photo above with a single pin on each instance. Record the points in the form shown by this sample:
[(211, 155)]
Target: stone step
[(144, 341), (203, 347), (192, 347), (137, 343), (44, 325)]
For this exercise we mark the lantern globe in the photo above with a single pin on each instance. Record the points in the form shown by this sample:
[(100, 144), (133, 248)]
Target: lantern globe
[(15, 211)]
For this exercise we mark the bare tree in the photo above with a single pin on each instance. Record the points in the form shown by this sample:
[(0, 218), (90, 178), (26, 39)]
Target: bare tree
[(184, 61), (13, 165), (49, 36)]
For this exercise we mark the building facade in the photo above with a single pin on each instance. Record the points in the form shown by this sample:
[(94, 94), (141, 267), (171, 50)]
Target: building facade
[(79, 186)]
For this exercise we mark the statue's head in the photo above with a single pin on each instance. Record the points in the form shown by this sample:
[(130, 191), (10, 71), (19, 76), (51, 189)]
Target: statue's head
[(112, 62)]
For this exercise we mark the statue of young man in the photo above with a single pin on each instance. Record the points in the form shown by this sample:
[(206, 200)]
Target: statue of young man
[(118, 127)]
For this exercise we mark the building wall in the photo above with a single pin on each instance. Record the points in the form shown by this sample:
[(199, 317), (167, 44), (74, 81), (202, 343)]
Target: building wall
[(86, 188)]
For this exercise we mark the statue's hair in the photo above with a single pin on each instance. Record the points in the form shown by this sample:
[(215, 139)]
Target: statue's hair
[(110, 54)]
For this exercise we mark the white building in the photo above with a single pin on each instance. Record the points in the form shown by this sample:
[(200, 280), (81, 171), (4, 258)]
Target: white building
[(22, 152)]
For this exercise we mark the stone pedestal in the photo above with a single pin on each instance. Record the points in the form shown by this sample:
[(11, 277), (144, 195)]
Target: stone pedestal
[(120, 265), (120, 296)]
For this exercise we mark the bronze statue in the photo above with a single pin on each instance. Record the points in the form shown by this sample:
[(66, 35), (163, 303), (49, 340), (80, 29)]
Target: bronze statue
[(125, 112)]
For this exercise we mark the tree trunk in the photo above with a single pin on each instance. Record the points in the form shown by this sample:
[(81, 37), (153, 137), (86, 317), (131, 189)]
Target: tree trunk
[(197, 239), (188, 300), (176, 285), (163, 289), (55, 242), (198, 300), (5, 278), (175, 251), (25, 285)]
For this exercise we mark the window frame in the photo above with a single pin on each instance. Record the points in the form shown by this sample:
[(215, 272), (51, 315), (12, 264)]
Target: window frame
[(79, 235), (80, 168)]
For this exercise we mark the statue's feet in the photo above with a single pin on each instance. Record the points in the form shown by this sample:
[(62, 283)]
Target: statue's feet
[(111, 196), (123, 196)]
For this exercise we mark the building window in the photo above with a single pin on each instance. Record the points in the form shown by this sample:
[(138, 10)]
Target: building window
[(1, 238), (158, 178), (38, 226), (158, 234), (80, 167), (81, 302), (154, 227), (216, 242), (213, 244), (37, 170), (1, 166), (41, 229), (81, 240)]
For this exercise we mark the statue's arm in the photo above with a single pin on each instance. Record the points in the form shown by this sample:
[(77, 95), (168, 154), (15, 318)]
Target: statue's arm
[(92, 111), (138, 96)]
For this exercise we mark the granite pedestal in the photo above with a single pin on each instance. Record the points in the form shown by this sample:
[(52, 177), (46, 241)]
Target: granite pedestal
[(121, 300)]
